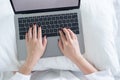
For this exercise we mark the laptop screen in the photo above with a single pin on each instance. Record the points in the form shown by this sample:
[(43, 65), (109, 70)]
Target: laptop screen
[(37, 5)]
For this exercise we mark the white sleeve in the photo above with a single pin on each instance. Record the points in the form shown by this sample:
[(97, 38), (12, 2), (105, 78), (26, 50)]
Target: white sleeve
[(102, 75), (19, 76)]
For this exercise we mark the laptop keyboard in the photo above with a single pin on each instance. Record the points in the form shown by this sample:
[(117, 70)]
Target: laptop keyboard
[(50, 24)]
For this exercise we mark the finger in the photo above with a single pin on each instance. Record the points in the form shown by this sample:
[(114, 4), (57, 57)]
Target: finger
[(34, 31), (39, 33), (44, 42), (67, 34), (62, 36), (60, 44), (30, 33), (72, 34), (26, 37)]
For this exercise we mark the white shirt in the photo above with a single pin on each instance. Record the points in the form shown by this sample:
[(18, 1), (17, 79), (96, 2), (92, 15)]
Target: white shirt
[(63, 75)]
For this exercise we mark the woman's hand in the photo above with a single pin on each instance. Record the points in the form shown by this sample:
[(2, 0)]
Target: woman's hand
[(68, 44), (35, 44), (35, 48)]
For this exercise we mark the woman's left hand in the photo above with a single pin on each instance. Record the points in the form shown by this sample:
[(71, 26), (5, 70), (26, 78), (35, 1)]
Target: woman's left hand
[(35, 47)]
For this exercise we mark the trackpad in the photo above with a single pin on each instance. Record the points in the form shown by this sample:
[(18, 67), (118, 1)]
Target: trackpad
[(52, 49)]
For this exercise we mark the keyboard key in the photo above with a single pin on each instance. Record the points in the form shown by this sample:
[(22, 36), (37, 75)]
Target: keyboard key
[(22, 29), (69, 25), (77, 32), (74, 24), (22, 33), (43, 31), (55, 22), (22, 37), (74, 16), (53, 18), (76, 20), (51, 22), (55, 30), (51, 30), (65, 17), (61, 17), (59, 22)]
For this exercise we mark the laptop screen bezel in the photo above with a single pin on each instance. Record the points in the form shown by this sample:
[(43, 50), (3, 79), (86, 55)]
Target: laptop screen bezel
[(44, 10)]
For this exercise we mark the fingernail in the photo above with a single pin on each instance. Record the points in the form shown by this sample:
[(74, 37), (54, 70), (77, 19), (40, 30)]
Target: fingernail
[(34, 23), (38, 25), (30, 25)]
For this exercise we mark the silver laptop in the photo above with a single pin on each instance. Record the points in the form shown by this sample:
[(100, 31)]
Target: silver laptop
[(51, 15)]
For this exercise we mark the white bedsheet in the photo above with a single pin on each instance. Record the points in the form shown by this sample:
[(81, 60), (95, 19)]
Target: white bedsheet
[(64, 75)]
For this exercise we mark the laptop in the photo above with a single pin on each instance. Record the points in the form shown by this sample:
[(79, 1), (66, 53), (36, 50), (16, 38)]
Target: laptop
[(51, 15)]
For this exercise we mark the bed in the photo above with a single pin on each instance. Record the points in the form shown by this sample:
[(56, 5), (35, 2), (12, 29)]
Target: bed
[(8, 47)]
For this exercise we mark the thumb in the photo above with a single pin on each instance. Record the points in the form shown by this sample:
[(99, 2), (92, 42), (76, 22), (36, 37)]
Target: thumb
[(44, 42)]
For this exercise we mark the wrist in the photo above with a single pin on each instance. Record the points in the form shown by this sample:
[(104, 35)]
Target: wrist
[(31, 61), (77, 58), (25, 69)]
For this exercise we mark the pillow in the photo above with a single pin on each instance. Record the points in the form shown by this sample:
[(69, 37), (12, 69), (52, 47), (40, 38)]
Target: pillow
[(98, 27)]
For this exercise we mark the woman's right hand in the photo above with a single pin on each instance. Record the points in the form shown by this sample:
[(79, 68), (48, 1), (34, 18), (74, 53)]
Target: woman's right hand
[(68, 44)]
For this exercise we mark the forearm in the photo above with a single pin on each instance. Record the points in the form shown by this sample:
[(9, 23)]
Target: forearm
[(84, 65)]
